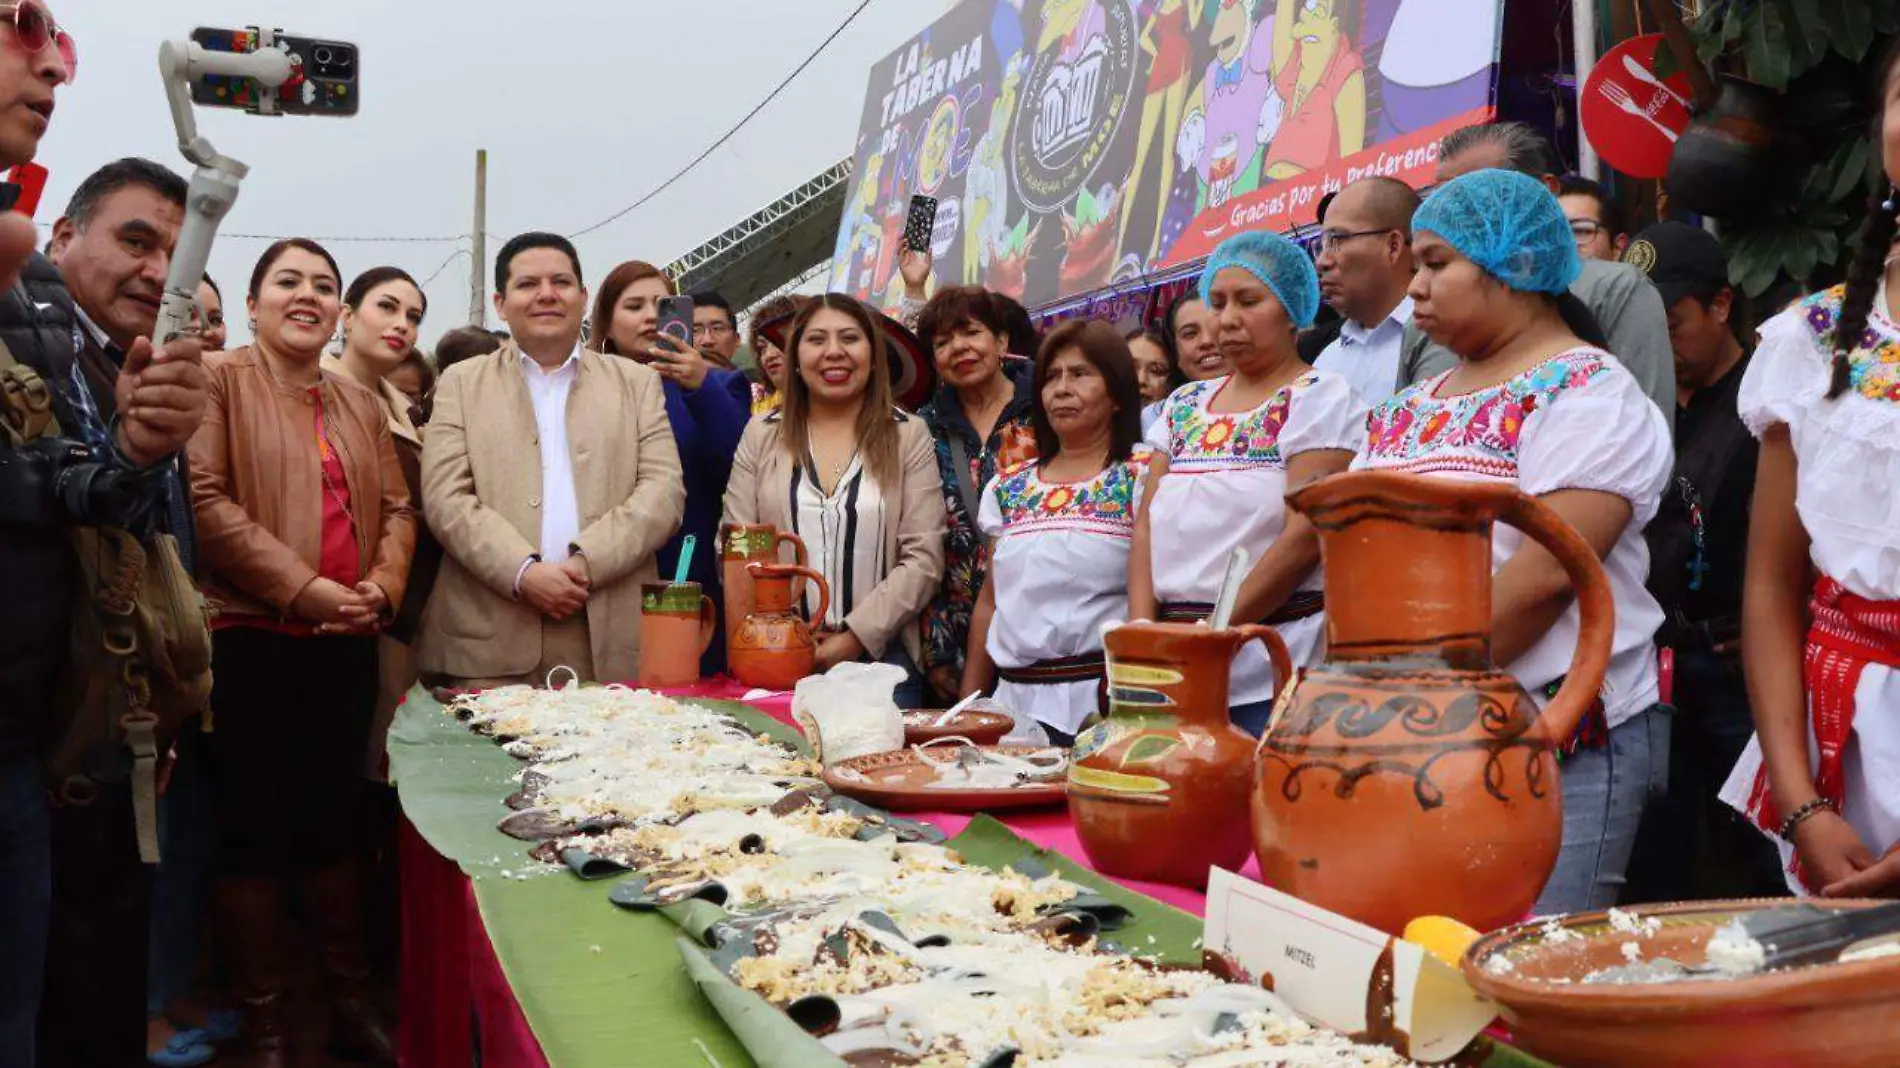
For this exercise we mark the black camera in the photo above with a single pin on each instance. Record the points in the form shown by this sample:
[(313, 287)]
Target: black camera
[(57, 482)]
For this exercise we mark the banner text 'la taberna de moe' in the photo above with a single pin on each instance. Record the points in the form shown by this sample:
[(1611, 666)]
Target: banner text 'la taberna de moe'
[(1076, 143)]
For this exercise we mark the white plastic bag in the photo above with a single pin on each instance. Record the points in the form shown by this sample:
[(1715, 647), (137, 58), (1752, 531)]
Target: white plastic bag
[(849, 711)]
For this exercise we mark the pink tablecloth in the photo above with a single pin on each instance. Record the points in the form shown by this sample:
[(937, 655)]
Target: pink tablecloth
[(1049, 828), (449, 970)]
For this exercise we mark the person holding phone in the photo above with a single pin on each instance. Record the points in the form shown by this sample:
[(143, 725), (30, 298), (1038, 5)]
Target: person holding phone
[(707, 406), (979, 420), (305, 539), (854, 476)]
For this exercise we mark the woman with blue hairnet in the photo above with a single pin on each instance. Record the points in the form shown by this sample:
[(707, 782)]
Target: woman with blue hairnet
[(1532, 404), (1226, 450)]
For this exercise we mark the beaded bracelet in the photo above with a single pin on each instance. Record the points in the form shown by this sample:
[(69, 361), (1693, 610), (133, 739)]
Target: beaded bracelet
[(1800, 816)]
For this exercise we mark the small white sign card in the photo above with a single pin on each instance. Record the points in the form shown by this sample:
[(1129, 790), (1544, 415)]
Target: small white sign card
[(1343, 975)]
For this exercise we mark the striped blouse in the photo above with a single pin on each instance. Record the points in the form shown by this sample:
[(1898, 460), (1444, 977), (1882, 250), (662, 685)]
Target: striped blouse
[(843, 532)]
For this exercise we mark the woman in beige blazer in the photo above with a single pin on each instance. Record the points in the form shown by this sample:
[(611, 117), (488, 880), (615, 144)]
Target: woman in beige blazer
[(855, 477)]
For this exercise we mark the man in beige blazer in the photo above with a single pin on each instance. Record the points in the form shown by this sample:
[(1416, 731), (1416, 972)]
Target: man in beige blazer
[(550, 476)]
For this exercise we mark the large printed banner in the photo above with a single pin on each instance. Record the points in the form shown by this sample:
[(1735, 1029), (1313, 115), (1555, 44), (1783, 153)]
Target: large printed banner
[(1076, 143)]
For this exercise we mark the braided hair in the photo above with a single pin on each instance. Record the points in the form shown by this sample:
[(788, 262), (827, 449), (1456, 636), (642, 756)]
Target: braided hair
[(1871, 246), (1863, 281)]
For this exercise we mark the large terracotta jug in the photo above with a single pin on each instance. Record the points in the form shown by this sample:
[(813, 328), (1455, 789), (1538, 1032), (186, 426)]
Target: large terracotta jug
[(1407, 775), (773, 647), (677, 624), (743, 544), (1158, 790)]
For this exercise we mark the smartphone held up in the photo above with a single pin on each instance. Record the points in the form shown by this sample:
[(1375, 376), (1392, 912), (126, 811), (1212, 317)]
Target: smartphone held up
[(922, 223), (323, 80), (676, 321)]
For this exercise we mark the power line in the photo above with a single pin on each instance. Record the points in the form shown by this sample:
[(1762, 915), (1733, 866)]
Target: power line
[(349, 239), (353, 239), (453, 256), (728, 135)]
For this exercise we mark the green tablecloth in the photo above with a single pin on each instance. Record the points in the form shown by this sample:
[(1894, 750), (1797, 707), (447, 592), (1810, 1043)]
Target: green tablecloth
[(599, 986), (597, 983), (605, 988)]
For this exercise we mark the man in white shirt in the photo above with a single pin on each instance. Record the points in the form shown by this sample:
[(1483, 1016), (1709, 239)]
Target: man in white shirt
[(550, 476), (1365, 265)]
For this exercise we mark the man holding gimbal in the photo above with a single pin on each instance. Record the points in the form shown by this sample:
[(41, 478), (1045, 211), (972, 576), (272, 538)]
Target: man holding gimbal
[(92, 474)]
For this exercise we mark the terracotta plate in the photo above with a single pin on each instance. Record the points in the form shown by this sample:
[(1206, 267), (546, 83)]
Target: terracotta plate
[(981, 728), (1839, 1015), (901, 780)]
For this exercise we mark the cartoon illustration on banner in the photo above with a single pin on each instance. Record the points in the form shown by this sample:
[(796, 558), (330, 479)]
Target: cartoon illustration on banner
[(1077, 143)]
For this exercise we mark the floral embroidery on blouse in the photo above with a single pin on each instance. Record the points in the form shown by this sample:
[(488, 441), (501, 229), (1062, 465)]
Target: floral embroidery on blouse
[(1104, 504), (1475, 433), (1874, 365), (1201, 441)]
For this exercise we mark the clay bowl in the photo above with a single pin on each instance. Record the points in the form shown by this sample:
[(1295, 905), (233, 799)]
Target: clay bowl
[(1837, 1015), (981, 728)]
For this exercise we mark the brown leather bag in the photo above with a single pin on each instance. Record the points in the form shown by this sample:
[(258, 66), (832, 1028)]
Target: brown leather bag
[(141, 644)]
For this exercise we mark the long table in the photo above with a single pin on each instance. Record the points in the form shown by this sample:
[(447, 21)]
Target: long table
[(550, 973)]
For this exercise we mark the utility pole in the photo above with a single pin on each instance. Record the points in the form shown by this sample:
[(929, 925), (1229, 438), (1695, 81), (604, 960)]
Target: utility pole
[(477, 306)]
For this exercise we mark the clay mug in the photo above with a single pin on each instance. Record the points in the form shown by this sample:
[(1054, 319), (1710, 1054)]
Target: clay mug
[(1407, 775), (677, 625), (748, 543), (773, 647), (1158, 790)]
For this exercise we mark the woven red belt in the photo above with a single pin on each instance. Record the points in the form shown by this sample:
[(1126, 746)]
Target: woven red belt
[(1849, 632)]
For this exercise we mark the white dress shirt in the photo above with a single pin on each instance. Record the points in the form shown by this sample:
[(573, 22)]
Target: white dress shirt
[(560, 512), (1369, 358)]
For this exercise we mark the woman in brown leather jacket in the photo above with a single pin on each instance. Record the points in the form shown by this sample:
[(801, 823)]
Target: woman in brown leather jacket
[(382, 313), (305, 535)]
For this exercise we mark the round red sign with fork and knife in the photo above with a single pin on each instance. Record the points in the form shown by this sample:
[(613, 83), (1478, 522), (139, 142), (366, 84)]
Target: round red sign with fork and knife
[(1631, 115)]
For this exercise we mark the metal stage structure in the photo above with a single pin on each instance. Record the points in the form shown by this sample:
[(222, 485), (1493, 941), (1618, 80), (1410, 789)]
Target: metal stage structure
[(780, 244)]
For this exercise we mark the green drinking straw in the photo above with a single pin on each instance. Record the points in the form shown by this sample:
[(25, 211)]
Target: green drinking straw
[(686, 559)]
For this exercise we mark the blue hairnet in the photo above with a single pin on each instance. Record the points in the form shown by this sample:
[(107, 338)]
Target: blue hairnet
[(1280, 264), (1507, 223)]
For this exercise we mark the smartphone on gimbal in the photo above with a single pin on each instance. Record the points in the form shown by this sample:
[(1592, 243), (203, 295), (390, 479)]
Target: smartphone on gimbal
[(324, 82)]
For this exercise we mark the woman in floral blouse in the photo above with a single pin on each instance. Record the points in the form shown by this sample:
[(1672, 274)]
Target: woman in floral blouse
[(1228, 449), (1062, 526), (1536, 403), (1821, 612)]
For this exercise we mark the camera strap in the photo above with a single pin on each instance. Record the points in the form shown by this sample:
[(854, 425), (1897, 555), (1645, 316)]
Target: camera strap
[(141, 647), (26, 401)]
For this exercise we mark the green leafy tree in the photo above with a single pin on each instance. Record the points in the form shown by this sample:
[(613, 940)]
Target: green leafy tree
[(1816, 53)]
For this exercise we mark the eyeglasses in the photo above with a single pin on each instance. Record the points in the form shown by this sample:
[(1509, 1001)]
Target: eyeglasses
[(35, 29), (1330, 240), (712, 329), (1585, 230)]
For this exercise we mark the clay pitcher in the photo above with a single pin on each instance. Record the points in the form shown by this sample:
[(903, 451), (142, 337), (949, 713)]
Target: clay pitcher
[(1734, 160), (1158, 790), (1407, 775), (677, 624), (742, 544), (773, 646)]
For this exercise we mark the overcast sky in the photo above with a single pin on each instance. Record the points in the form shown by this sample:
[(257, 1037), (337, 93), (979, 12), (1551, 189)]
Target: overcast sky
[(584, 106)]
